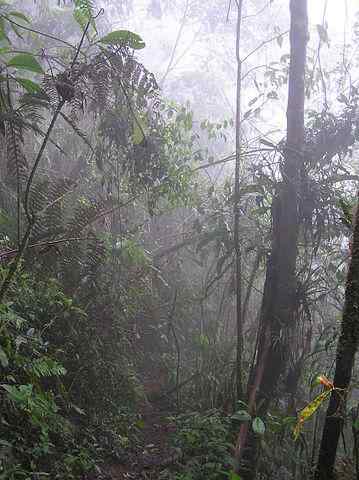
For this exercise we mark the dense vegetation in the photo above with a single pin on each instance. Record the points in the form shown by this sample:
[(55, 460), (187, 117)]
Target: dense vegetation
[(179, 282)]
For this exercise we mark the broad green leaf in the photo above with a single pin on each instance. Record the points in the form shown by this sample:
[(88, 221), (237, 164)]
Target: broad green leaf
[(25, 61), (4, 361), (124, 37), (258, 426), (28, 85), (242, 416), (309, 410), (19, 15)]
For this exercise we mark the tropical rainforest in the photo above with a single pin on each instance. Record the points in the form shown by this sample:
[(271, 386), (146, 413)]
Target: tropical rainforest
[(179, 239)]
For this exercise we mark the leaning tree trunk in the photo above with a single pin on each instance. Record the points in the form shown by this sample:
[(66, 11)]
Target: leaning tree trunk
[(346, 350), (279, 298)]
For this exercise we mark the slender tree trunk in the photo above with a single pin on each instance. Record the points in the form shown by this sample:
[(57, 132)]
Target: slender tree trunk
[(279, 298), (346, 350), (237, 246)]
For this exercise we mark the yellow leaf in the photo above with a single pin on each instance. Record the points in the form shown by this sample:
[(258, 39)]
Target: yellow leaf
[(308, 411), (328, 385)]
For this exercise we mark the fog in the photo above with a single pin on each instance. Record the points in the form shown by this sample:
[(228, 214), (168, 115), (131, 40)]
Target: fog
[(179, 239)]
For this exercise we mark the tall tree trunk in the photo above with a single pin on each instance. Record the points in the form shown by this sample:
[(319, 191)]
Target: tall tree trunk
[(346, 350), (237, 246), (279, 298)]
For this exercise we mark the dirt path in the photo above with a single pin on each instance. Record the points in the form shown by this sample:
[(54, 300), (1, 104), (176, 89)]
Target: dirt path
[(152, 452)]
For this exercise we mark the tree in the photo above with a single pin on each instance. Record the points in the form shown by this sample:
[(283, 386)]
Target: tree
[(346, 350), (237, 246), (278, 304)]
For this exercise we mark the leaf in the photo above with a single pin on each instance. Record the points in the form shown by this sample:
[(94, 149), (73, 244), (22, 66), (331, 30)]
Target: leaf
[(78, 409), (343, 99), (247, 114), (272, 95), (267, 143), (84, 13), (138, 129), (242, 416), (323, 380), (308, 411), (140, 424), (16, 31), (280, 40), (253, 101), (258, 426), (2, 30), (25, 61), (233, 476), (4, 361), (323, 33), (19, 15), (251, 189), (30, 86), (121, 37)]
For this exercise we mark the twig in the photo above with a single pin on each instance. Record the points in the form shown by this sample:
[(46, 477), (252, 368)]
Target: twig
[(262, 44), (39, 33), (183, 22), (45, 244), (231, 157)]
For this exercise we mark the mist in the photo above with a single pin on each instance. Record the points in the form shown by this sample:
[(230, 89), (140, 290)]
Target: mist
[(179, 239)]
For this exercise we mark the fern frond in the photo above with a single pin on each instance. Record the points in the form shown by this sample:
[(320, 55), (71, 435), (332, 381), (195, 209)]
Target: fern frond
[(46, 367), (48, 202), (49, 87), (77, 130), (17, 165)]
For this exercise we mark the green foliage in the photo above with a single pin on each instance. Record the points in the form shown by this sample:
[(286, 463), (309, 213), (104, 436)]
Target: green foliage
[(57, 377), (206, 442), (258, 426), (123, 38), (25, 61), (84, 13)]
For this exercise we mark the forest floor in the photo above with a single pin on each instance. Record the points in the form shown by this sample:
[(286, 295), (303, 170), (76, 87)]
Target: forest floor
[(153, 451)]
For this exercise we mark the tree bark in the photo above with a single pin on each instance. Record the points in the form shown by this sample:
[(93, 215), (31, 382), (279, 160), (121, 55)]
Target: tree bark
[(237, 246), (346, 350), (279, 298)]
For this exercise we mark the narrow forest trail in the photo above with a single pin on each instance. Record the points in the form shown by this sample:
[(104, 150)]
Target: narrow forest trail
[(153, 451)]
